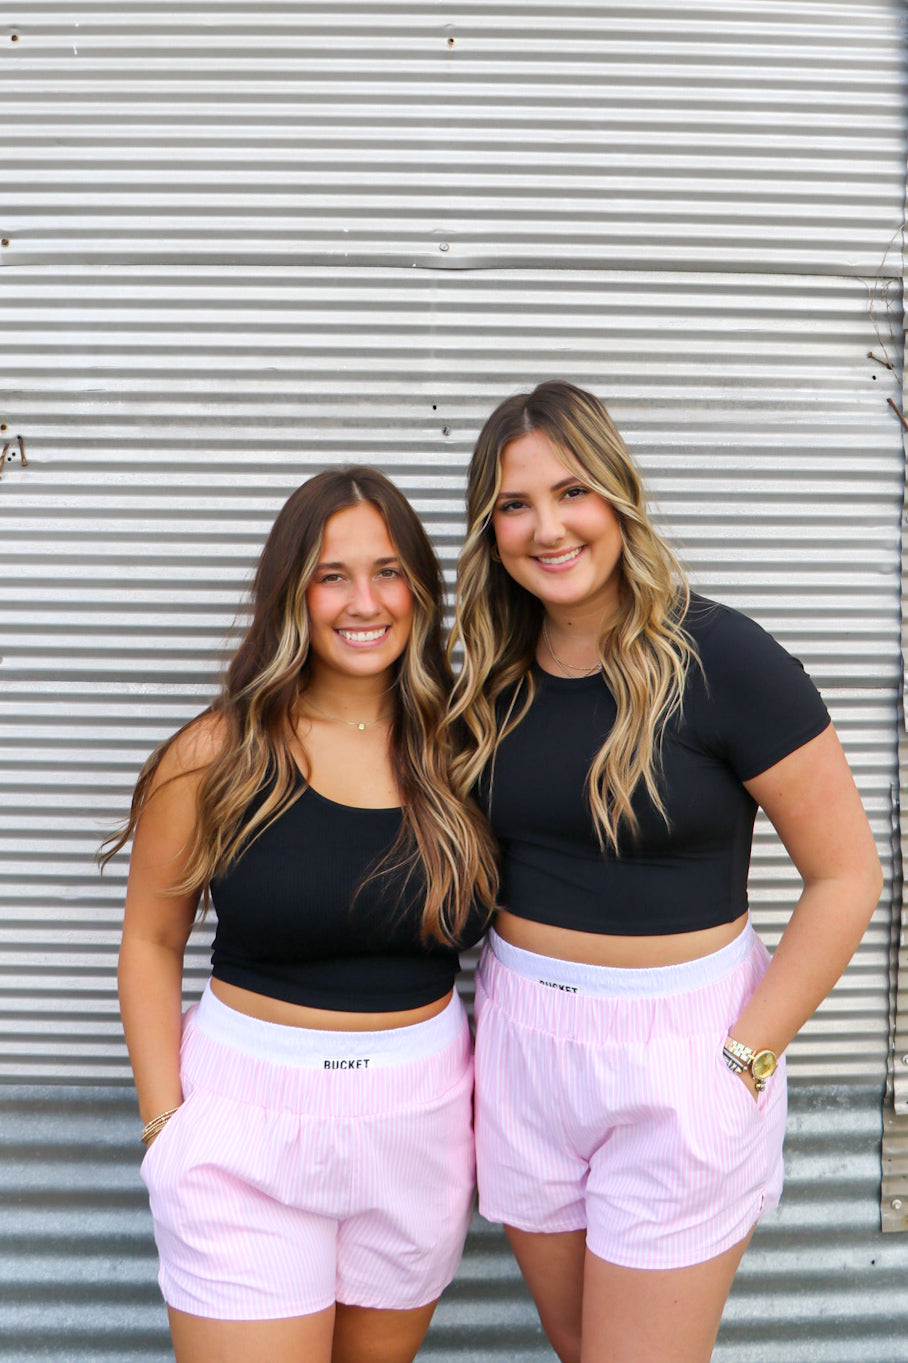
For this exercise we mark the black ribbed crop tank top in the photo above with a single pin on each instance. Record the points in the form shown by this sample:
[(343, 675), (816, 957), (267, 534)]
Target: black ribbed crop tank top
[(300, 918)]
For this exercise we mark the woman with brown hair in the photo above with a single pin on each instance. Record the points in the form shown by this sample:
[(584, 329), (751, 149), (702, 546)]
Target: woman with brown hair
[(621, 732), (308, 1123)]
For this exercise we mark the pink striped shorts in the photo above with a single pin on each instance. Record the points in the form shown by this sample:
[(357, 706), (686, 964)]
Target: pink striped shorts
[(603, 1103), (307, 1167)]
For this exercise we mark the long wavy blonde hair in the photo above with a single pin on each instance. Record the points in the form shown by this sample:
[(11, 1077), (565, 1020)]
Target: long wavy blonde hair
[(256, 710), (644, 653)]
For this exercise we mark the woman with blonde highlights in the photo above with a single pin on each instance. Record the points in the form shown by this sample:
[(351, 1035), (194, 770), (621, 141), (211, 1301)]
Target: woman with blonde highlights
[(621, 732), (308, 1123)]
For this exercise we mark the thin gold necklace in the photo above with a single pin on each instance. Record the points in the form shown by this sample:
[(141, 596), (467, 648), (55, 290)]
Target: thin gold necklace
[(568, 667), (339, 719)]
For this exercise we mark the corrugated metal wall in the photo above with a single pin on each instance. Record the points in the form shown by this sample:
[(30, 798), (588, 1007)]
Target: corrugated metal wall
[(242, 241)]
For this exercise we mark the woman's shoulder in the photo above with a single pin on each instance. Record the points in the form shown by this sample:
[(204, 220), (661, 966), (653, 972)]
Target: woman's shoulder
[(705, 617), (193, 748), (741, 662), (724, 636), (749, 695)]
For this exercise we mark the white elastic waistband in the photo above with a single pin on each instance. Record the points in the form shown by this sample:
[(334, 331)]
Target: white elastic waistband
[(311, 1048), (606, 981)]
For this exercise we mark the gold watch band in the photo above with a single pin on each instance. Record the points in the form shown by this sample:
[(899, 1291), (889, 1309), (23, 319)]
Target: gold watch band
[(760, 1065)]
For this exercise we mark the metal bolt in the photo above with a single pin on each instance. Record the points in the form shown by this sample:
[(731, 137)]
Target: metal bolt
[(443, 246), (905, 1059), (5, 241), (896, 1204), (451, 42)]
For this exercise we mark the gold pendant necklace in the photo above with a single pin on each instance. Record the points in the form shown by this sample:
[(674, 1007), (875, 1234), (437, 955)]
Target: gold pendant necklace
[(339, 719)]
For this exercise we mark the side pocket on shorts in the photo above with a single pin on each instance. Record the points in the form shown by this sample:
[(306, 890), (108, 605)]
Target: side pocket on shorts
[(731, 1091), (166, 1135)]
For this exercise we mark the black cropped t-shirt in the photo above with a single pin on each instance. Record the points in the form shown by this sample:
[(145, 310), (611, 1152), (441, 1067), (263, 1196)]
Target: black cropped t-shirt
[(300, 919), (746, 707)]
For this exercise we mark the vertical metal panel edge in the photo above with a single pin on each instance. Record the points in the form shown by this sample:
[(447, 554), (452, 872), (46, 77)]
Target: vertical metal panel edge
[(894, 1154)]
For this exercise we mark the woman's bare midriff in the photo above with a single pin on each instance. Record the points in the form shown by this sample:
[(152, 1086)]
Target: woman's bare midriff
[(633, 953), (321, 1019)]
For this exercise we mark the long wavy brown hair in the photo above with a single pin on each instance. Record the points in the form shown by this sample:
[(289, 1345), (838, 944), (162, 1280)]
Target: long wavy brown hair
[(644, 653), (256, 709)]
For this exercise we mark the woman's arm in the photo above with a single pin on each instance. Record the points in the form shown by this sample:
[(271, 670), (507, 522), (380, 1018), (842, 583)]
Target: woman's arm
[(811, 799), (156, 927)]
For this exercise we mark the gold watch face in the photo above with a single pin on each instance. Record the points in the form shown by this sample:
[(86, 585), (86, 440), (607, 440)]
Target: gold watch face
[(764, 1064)]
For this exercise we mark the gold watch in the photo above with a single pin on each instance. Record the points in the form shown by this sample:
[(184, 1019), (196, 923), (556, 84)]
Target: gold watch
[(760, 1064)]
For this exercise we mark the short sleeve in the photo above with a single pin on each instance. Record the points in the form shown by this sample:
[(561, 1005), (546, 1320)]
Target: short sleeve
[(757, 704)]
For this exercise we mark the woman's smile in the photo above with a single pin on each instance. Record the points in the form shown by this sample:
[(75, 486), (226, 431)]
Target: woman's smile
[(363, 638), (559, 562)]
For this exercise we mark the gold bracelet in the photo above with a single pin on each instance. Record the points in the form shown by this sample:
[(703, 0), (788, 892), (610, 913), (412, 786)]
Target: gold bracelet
[(157, 1124)]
